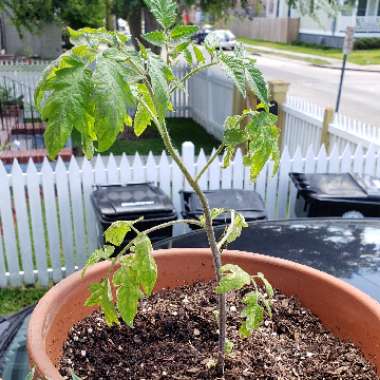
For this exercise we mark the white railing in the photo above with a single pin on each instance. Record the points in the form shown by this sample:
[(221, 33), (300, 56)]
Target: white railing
[(48, 226), (362, 24), (304, 123)]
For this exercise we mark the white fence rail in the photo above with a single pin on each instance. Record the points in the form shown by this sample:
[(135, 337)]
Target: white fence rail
[(47, 222), (304, 123)]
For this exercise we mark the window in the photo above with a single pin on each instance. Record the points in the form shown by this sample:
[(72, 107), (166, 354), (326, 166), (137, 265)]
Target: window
[(362, 7)]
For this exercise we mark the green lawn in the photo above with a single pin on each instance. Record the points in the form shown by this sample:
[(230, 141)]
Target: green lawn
[(180, 129), (360, 57), (13, 300)]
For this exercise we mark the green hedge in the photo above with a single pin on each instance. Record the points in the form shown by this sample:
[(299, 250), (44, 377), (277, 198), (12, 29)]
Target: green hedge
[(367, 43)]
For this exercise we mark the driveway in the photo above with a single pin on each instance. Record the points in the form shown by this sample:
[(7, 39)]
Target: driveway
[(361, 90)]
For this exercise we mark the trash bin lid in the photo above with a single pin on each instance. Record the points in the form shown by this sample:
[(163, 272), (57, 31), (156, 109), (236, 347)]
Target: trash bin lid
[(133, 199), (247, 202), (337, 187)]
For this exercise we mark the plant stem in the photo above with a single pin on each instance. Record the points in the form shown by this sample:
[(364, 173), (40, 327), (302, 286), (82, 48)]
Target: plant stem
[(209, 162), (211, 239)]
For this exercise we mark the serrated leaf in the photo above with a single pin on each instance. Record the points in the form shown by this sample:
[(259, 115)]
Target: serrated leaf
[(232, 278), (143, 117), (188, 56), (256, 83), (145, 263), (235, 136), (267, 285), (235, 228), (228, 156), (101, 294), (94, 37), (157, 38), (159, 84), (263, 143), (234, 68), (254, 315), (183, 31), (179, 49), (67, 104), (116, 232), (128, 297), (215, 212), (111, 106), (98, 255), (198, 54), (164, 11)]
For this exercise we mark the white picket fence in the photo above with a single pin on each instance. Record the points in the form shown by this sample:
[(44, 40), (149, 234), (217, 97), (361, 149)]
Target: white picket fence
[(48, 226), (304, 122)]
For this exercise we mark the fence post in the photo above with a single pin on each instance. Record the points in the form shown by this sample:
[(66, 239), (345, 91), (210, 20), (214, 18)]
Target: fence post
[(328, 118), (278, 90)]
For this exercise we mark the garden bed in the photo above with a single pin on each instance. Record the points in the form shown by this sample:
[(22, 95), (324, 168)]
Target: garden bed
[(175, 337)]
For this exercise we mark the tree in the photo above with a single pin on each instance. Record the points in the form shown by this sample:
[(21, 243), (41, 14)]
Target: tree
[(31, 14)]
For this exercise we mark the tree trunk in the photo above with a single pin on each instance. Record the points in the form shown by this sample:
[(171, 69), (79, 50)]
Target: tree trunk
[(110, 25)]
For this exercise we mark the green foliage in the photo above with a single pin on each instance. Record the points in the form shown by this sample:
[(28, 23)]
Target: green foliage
[(115, 233), (98, 255), (165, 11), (367, 43), (234, 229), (232, 278)]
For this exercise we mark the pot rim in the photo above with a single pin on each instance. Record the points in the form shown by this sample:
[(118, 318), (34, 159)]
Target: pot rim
[(37, 325)]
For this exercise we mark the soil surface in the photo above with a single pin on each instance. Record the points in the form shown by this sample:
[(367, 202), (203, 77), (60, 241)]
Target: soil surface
[(175, 337)]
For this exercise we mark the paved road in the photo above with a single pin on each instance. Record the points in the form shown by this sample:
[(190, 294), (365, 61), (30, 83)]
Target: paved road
[(361, 90)]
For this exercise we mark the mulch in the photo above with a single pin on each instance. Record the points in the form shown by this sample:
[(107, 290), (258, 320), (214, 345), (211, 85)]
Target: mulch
[(175, 337)]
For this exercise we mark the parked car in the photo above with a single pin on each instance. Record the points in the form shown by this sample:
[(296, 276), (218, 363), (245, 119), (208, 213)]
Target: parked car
[(201, 35), (224, 39)]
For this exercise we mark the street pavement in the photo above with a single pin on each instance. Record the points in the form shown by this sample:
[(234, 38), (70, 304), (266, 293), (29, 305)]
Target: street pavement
[(361, 90)]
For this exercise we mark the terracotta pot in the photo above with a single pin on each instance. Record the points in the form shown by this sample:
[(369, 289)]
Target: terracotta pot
[(347, 312)]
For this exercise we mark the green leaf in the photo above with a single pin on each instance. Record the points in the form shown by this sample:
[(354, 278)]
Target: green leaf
[(198, 54), (30, 375), (143, 117), (157, 38), (228, 156), (188, 57), (101, 294), (267, 285), (128, 297), (159, 84), (164, 11), (256, 83), (235, 69), (145, 264), (235, 136), (68, 102), (228, 346), (112, 96), (215, 212), (235, 228), (254, 315), (233, 278), (180, 49), (183, 31), (116, 232), (263, 143), (94, 37), (98, 255), (75, 377)]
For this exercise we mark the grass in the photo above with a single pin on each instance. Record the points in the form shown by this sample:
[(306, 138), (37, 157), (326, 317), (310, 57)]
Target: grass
[(13, 300), (180, 129), (359, 57)]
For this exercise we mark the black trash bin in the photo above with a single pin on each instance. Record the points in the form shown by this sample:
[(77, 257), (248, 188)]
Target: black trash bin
[(247, 202), (340, 195), (129, 202)]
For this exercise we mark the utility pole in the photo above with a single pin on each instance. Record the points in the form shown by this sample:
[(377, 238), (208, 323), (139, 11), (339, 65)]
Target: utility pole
[(347, 49)]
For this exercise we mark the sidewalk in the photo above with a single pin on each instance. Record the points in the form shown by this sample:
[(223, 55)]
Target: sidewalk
[(332, 63)]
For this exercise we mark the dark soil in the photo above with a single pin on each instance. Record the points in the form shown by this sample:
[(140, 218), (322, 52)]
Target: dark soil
[(175, 337)]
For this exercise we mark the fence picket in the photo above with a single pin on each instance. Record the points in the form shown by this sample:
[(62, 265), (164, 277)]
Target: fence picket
[(297, 166), (346, 160), (283, 183), (151, 169), (50, 204), (238, 171), (75, 186), (38, 230), (8, 229), (3, 276), (100, 171), (138, 169), (64, 212), (214, 173), (370, 160), (271, 191), (165, 174), (23, 227), (358, 160), (201, 162), (88, 186), (112, 171), (125, 170)]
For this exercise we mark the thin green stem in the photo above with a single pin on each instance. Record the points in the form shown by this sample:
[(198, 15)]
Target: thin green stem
[(191, 73), (209, 162)]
